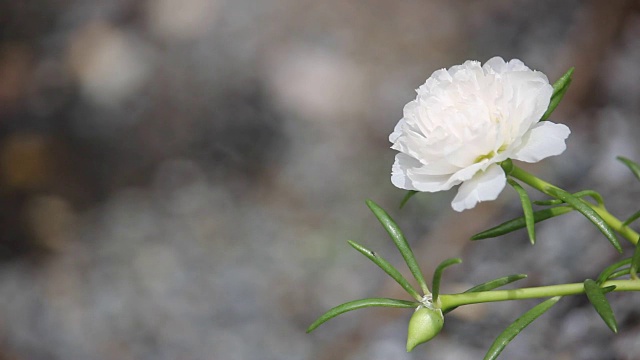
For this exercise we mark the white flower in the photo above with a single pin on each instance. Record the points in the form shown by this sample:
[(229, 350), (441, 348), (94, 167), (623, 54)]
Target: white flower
[(465, 121)]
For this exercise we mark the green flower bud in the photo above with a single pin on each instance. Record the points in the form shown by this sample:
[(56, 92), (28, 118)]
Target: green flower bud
[(424, 325)]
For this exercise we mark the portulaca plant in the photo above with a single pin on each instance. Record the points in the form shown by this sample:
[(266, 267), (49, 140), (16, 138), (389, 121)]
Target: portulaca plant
[(464, 128)]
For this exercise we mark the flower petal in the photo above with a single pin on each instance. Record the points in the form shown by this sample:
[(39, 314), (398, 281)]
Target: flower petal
[(397, 131), (399, 176), (403, 176), (410, 174), (468, 118), (484, 186), (495, 65), (543, 140), (532, 94)]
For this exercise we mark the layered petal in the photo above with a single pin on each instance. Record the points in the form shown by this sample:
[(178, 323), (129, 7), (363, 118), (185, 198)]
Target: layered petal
[(543, 140), (465, 120), (405, 174), (399, 176), (484, 186)]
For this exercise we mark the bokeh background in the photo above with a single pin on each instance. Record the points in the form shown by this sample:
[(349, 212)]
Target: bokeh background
[(178, 178)]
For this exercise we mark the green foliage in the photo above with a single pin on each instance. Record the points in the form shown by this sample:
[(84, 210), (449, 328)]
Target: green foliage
[(496, 283), (406, 198), (520, 222), (437, 275), (633, 166), (388, 268), (596, 296), (589, 213), (635, 169), (359, 304), (401, 242), (632, 218), (560, 87), (517, 326), (608, 272), (529, 219), (635, 262), (428, 318), (580, 194), (619, 273)]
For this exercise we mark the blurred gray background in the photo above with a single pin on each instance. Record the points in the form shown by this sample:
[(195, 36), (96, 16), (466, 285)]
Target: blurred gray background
[(178, 178)]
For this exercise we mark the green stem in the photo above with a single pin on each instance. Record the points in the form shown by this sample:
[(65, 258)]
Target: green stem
[(453, 300), (544, 187)]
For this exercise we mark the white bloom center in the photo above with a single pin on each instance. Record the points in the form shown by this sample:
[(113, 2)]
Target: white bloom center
[(467, 119)]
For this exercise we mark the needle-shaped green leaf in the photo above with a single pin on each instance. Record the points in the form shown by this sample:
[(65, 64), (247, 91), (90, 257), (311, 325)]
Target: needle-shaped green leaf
[(609, 270), (437, 275), (633, 166), (619, 273), (517, 326), (593, 194), (580, 194), (406, 198), (560, 87), (519, 223), (490, 285), (526, 208), (496, 283), (632, 218), (388, 268), (635, 262), (589, 213), (600, 303), (359, 304), (401, 243)]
